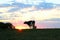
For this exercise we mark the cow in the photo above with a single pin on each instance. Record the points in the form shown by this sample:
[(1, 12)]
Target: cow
[(31, 24), (9, 26), (6, 25), (2, 25)]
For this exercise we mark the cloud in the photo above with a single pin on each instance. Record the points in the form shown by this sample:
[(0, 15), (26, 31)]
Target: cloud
[(36, 2), (5, 9), (33, 2), (53, 19), (30, 13), (36, 15), (53, 1), (20, 6), (13, 9), (5, 1), (47, 24), (39, 15)]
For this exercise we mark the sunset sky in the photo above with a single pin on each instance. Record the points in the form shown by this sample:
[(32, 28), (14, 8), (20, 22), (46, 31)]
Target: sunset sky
[(46, 13)]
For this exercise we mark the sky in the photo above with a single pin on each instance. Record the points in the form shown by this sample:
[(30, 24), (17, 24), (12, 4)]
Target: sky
[(46, 13), (30, 1)]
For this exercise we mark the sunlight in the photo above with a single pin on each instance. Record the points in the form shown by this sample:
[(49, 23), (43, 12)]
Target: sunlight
[(21, 27)]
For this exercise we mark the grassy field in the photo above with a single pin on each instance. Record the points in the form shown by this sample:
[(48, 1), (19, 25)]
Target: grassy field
[(30, 34)]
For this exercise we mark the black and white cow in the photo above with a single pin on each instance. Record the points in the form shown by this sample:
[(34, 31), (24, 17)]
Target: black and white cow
[(31, 24)]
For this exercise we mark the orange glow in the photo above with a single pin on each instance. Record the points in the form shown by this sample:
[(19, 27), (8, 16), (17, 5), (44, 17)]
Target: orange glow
[(20, 30), (21, 27)]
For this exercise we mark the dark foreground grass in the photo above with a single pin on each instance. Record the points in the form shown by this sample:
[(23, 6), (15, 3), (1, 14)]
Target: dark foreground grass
[(30, 34)]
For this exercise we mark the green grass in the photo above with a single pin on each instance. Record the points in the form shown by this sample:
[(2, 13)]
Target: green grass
[(30, 34)]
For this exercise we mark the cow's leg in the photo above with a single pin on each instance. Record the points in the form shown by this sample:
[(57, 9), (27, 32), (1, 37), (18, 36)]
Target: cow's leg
[(34, 27)]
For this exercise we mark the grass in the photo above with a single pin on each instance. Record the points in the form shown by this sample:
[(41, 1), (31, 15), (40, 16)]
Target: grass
[(30, 34)]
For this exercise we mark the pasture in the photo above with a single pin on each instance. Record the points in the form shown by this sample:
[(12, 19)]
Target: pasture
[(30, 34)]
